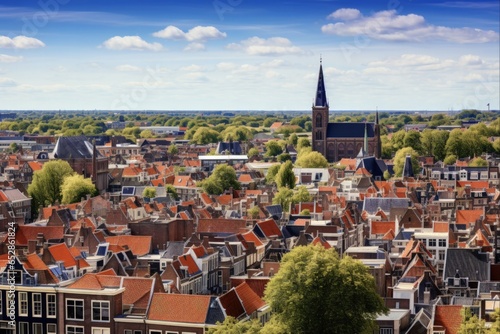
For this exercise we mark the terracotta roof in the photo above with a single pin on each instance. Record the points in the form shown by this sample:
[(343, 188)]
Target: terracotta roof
[(206, 199), (258, 284), (251, 237), (225, 199), (449, 317), (200, 251), (33, 261), (467, 217), (269, 228), (255, 192), (232, 304), (183, 181), (245, 178), (35, 165), (362, 171), (276, 125), (251, 301), (229, 226), (157, 183), (381, 227), (473, 184), (135, 289), (61, 252), (179, 308), (389, 235), (93, 281), (441, 227), (301, 222), (138, 244), (188, 261), (25, 233)]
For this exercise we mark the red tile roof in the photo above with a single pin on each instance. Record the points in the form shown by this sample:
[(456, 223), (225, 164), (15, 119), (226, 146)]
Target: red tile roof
[(251, 237), (25, 233), (199, 251), (448, 317), (188, 261), (232, 226), (269, 228), (251, 301), (245, 178), (93, 281), (441, 227), (232, 304), (139, 244), (179, 308), (468, 216), (381, 227), (61, 252)]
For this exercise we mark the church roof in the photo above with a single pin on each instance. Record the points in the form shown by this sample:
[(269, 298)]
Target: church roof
[(77, 147), (320, 100), (350, 130)]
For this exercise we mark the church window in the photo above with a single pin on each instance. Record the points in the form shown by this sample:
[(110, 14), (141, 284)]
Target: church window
[(319, 121), (350, 150), (319, 135), (341, 149)]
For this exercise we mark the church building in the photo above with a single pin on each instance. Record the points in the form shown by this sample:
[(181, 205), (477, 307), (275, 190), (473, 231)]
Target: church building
[(341, 140)]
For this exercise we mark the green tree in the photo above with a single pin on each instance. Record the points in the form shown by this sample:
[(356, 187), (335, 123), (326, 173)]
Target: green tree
[(233, 326), (223, 177), (399, 161), (172, 191), (413, 139), (149, 192), (427, 137), (284, 198), (273, 148), (293, 139), (440, 138), (312, 160), (284, 157), (495, 326), (285, 176), (253, 212), (271, 173), (471, 324), (496, 145), (75, 187), (14, 148), (314, 290), (387, 175), (45, 189), (204, 135), (454, 144), (253, 152), (478, 162), (301, 195), (305, 212), (397, 140), (450, 159), (303, 142), (474, 144)]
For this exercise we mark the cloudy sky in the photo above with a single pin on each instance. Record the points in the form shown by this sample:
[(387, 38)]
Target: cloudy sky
[(248, 54)]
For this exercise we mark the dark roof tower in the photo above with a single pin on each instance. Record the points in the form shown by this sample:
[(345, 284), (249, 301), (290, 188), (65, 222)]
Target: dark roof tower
[(321, 100), (408, 168)]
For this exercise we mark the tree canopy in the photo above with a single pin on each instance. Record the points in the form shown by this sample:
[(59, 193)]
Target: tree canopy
[(312, 159), (317, 292), (285, 176), (399, 161), (223, 177), (75, 187)]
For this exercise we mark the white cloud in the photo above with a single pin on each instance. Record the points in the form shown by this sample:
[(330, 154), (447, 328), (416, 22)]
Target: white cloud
[(470, 60), (225, 66), (196, 34), (345, 14), (7, 82), (127, 68), (273, 63), (130, 43), (406, 60), (20, 42), (389, 26), (194, 47), (192, 68), (266, 47), (9, 59)]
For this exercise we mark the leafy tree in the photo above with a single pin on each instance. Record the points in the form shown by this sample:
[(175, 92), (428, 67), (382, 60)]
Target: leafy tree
[(450, 159), (303, 142), (172, 191), (305, 212), (273, 148), (314, 290), (205, 135), (413, 139), (146, 134), (293, 139), (253, 152), (496, 145), (285, 176), (387, 175), (495, 326), (14, 148), (397, 140), (149, 192), (387, 149), (454, 143), (284, 157), (237, 133), (471, 324), (474, 144), (45, 188), (440, 138), (427, 142), (284, 198), (478, 162), (231, 325), (223, 177), (75, 187), (312, 160), (301, 195), (253, 212), (399, 161), (271, 173)]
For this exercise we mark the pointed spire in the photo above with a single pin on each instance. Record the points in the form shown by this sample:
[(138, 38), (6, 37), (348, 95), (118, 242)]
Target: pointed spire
[(320, 100), (408, 168), (365, 143)]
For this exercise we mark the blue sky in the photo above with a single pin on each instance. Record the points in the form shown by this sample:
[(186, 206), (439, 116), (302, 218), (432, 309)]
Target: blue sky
[(248, 54)]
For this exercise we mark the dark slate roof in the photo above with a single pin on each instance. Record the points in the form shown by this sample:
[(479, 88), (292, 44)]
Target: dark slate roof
[(231, 147), (320, 99), (77, 147), (374, 166), (372, 204), (174, 248), (215, 313), (276, 211), (408, 167), (469, 263), (350, 130)]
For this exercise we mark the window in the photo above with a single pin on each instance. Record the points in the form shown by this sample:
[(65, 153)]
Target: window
[(100, 310), (442, 242), (74, 309), (74, 330), (154, 332), (169, 332), (386, 331), (442, 255), (100, 330), (51, 329), (24, 328), (37, 304), (37, 328), (129, 331), (23, 304), (51, 306), (432, 242)]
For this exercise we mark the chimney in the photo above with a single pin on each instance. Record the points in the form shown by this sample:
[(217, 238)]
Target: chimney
[(252, 272), (39, 239), (427, 296), (32, 246)]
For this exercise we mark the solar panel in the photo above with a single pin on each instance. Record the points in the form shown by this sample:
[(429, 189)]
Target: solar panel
[(128, 190)]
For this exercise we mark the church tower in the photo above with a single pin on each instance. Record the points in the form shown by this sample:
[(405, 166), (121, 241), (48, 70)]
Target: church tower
[(320, 115)]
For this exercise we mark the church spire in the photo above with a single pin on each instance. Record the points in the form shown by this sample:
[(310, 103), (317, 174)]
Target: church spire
[(320, 100)]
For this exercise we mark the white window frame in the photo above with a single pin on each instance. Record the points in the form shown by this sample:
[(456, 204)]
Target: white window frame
[(51, 328), (36, 305), (51, 305), (23, 303), (24, 327), (68, 327), (74, 306), (101, 308), (100, 330)]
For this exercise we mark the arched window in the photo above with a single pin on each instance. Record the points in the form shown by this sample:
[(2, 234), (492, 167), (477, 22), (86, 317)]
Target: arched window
[(341, 149), (319, 121), (350, 150), (331, 150), (319, 135)]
